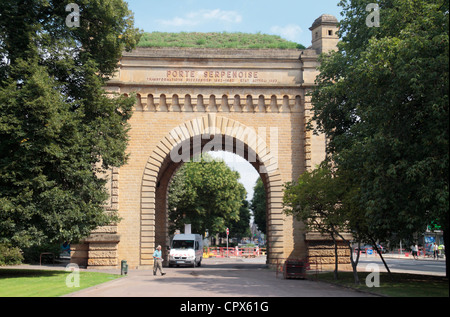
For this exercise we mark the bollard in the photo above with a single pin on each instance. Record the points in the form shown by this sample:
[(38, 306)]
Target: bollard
[(123, 267)]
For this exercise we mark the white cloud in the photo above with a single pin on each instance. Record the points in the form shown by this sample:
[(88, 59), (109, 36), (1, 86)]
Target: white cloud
[(178, 22), (289, 32), (217, 14), (203, 16)]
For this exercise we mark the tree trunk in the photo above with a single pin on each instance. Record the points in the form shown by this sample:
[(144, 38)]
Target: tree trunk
[(355, 263), (381, 256), (335, 258)]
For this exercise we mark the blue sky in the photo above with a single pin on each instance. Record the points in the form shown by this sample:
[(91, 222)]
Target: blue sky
[(287, 18)]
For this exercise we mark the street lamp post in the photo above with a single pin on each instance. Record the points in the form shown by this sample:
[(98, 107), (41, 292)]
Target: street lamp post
[(228, 232)]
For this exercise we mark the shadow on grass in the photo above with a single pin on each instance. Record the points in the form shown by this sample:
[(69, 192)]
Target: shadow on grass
[(16, 273), (396, 285)]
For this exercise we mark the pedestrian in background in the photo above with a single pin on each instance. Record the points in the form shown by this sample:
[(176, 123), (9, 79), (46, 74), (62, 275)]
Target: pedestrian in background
[(157, 265), (414, 250), (435, 251)]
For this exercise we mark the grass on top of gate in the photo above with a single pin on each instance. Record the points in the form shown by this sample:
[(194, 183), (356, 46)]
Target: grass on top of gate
[(397, 285), (231, 40), (47, 283)]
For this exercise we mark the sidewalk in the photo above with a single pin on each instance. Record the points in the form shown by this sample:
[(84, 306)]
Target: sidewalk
[(399, 256), (217, 277)]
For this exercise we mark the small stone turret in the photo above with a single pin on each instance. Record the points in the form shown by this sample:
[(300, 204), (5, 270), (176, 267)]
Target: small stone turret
[(324, 33)]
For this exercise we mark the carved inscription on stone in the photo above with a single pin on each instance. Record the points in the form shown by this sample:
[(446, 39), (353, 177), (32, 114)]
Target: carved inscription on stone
[(213, 76)]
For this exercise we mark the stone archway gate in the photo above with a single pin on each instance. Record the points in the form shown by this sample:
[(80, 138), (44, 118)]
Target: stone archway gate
[(256, 98)]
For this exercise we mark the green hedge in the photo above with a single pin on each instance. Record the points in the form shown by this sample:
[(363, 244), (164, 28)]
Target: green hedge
[(10, 255)]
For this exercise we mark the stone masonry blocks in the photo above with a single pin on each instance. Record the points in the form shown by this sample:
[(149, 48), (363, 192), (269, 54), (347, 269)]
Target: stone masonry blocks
[(258, 98)]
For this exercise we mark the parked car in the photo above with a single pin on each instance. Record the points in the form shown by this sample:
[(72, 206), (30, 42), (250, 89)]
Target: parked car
[(363, 248), (366, 247), (187, 249), (382, 249)]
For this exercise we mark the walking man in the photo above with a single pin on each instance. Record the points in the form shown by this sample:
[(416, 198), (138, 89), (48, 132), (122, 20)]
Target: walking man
[(435, 251), (414, 250), (158, 261)]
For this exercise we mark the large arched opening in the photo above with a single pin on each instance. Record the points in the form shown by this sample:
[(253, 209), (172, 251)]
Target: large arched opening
[(204, 134)]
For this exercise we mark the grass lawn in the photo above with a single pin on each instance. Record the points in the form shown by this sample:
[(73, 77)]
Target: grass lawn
[(46, 283), (401, 284)]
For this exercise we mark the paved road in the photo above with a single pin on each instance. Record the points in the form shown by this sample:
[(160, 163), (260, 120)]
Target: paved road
[(403, 264), (215, 278)]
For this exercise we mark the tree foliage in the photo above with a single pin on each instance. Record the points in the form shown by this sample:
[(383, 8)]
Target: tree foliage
[(241, 228), (258, 206), (325, 200), (315, 199), (206, 194), (382, 101), (58, 128)]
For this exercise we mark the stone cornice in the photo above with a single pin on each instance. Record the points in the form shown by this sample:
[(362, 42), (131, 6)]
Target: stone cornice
[(211, 53)]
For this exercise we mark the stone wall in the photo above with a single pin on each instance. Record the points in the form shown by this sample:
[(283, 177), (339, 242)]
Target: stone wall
[(321, 251), (97, 250)]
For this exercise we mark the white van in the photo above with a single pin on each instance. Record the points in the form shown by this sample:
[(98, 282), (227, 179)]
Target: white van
[(186, 249)]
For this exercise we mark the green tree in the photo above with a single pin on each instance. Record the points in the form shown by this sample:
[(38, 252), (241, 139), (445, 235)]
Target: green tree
[(316, 200), (59, 130), (325, 200), (382, 101), (241, 228), (206, 194), (258, 206)]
